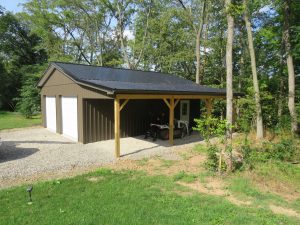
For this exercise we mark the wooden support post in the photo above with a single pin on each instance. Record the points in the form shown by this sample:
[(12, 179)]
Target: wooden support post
[(117, 127), (171, 121), (208, 104)]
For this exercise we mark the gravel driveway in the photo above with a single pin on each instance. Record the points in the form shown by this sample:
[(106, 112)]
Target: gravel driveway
[(31, 153)]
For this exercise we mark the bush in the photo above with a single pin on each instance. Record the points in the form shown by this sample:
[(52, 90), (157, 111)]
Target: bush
[(209, 126), (285, 150), (29, 101), (212, 162)]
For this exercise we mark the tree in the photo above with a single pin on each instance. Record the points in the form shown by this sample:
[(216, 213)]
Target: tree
[(18, 48), (259, 119), (29, 101), (290, 67), (229, 68), (196, 19), (78, 31)]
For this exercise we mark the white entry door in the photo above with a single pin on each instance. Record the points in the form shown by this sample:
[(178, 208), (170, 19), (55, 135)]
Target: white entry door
[(51, 113), (69, 117), (185, 110)]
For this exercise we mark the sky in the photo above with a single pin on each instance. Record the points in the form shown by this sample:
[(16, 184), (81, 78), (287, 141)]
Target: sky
[(12, 5)]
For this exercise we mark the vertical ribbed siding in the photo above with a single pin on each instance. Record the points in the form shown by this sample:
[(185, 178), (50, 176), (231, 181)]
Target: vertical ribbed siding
[(135, 118), (98, 118)]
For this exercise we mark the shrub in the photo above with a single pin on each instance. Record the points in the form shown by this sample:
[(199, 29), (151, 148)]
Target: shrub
[(212, 162), (285, 150), (209, 126)]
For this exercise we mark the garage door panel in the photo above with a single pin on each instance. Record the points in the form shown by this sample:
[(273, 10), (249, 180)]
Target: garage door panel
[(69, 117), (51, 113)]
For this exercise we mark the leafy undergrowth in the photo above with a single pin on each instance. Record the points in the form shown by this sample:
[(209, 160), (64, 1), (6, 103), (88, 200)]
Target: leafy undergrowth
[(124, 197), (9, 120), (269, 176)]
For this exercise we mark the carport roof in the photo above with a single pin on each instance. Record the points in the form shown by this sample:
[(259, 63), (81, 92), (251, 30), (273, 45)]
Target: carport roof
[(115, 80)]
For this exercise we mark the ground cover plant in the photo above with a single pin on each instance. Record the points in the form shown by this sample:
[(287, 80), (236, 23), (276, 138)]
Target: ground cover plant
[(9, 120), (124, 197)]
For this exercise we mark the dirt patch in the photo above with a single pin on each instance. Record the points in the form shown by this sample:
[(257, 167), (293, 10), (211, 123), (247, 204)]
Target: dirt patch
[(284, 211), (215, 187), (11, 182), (238, 202), (157, 166), (211, 188), (95, 179), (286, 191)]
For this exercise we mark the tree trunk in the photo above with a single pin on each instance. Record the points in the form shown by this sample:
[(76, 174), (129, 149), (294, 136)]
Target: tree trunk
[(259, 119), (199, 77), (290, 67), (229, 68), (198, 57)]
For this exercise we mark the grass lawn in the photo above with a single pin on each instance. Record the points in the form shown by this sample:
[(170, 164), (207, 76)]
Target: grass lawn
[(160, 191), (124, 197), (9, 120)]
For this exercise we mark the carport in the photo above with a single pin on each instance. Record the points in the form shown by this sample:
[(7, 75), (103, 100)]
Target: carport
[(84, 103), (170, 100)]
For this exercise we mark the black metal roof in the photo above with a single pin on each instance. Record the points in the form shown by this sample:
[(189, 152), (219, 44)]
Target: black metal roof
[(133, 81)]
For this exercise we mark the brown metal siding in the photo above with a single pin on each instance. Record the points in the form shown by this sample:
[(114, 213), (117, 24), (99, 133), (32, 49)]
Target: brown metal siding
[(135, 118), (98, 120)]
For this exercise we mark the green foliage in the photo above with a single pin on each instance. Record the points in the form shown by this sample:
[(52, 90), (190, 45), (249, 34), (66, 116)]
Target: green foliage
[(29, 100), (18, 50), (235, 9), (212, 161), (285, 150), (209, 126)]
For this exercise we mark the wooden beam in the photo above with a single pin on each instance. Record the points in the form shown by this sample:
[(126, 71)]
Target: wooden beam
[(167, 103), (117, 127), (162, 96), (171, 122), (176, 102), (123, 104)]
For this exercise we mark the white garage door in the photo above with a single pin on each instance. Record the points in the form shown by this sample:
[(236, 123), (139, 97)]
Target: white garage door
[(69, 117), (51, 113)]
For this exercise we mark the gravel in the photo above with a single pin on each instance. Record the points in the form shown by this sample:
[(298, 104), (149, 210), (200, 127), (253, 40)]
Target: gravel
[(29, 152)]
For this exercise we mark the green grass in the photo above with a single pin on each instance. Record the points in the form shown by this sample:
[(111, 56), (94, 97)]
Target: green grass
[(9, 120), (244, 188), (167, 163), (118, 198)]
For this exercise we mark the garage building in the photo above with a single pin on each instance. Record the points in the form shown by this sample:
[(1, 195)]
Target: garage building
[(92, 103)]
